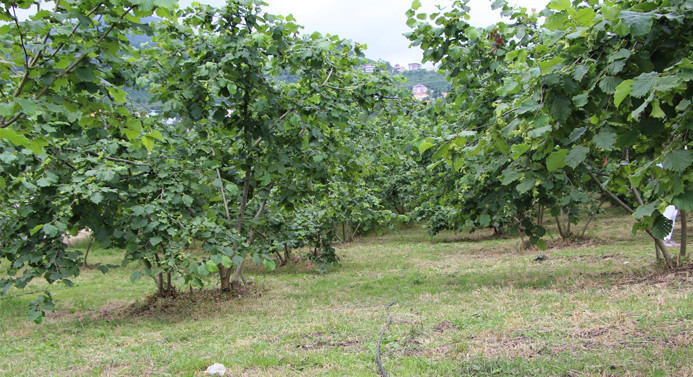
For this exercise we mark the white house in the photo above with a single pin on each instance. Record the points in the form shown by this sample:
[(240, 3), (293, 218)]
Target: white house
[(414, 66), (419, 88)]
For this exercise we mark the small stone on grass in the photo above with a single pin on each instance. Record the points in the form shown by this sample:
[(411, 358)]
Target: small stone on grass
[(216, 370)]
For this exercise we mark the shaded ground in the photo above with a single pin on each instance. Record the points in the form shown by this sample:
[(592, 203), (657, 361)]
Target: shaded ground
[(471, 305)]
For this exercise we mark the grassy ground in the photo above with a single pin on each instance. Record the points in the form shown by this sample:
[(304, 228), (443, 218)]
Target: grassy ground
[(465, 305)]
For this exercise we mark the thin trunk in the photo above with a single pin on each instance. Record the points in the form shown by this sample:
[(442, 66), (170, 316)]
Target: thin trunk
[(625, 206), (86, 253), (567, 232), (354, 233), (287, 254), (560, 228), (238, 275), (225, 273), (684, 236), (663, 248), (169, 289), (658, 253), (520, 231), (279, 257), (660, 243), (594, 214), (540, 216), (343, 232)]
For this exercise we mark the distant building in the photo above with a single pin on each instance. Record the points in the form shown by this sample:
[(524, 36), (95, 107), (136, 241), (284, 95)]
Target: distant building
[(444, 94), (399, 68), (419, 88), (414, 66), (431, 69), (421, 96), (368, 68)]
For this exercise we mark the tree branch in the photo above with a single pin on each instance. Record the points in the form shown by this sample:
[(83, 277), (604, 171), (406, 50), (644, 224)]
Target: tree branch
[(66, 71)]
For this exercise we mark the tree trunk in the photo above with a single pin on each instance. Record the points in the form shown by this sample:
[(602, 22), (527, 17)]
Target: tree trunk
[(287, 254), (540, 216), (353, 234), (86, 253), (568, 234), (594, 214), (684, 236), (560, 228), (238, 275), (225, 273)]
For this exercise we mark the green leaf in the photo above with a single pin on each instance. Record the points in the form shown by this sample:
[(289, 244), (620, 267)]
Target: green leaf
[(226, 261), (666, 83), (424, 146), (604, 140), (28, 106), (485, 220), (148, 142), (643, 84), (211, 267), (576, 156), (645, 210), (609, 84), (166, 4), (441, 152), (677, 160), (556, 160), (580, 72), (35, 229), (36, 146), (85, 74), (510, 175), (622, 91), (638, 23), (558, 5), (6, 109), (270, 265), (35, 316), (416, 4), (526, 185), (202, 270), (43, 182), (528, 105), (684, 201), (96, 197), (155, 240), (539, 132), (519, 149), (580, 100), (657, 111), (585, 16), (135, 276), (661, 227), (50, 230), (118, 95), (577, 133), (237, 260)]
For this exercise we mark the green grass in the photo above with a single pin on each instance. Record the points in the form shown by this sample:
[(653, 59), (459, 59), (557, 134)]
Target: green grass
[(467, 304)]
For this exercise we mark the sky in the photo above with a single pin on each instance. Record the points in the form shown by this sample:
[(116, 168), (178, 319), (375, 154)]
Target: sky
[(377, 23)]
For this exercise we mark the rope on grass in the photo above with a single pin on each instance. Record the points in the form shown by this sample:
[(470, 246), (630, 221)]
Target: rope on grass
[(20, 295), (380, 339), (382, 333)]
